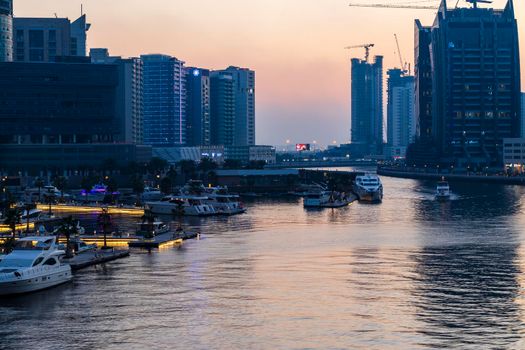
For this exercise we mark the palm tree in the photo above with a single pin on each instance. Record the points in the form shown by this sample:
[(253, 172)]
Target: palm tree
[(138, 188), (12, 219), (104, 222), (148, 218), (60, 182), (68, 227), (39, 183)]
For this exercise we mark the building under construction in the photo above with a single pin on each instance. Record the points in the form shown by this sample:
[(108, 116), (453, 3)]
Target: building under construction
[(367, 107), (467, 86)]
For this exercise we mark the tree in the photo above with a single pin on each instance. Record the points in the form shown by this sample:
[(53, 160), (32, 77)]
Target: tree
[(256, 164), (39, 183), (157, 165), (12, 219), (187, 167), (166, 185), (149, 219), (87, 184), (111, 187), (60, 182), (232, 164), (207, 165), (105, 224), (137, 185), (67, 228)]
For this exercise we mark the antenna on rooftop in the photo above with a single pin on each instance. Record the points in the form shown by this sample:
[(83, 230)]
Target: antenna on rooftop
[(81, 10)]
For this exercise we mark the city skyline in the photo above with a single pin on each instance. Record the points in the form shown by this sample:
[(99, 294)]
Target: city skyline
[(297, 44)]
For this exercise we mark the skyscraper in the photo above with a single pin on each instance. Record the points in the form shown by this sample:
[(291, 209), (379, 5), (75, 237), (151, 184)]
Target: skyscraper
[(45, 39), (401, 121), (523, 114), (476, 84), (367, 106), (6, 30), (198, 122), (129, 93), (164, 101), (233, 106)]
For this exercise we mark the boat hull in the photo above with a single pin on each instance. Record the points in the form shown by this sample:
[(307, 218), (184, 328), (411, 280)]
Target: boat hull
[(34, 283), (369, 196)]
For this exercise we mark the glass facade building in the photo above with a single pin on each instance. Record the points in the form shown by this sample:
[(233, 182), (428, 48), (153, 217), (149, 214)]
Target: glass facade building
[(6, 30), (475, 73), (198, 123), (367, 106), (164, 101)]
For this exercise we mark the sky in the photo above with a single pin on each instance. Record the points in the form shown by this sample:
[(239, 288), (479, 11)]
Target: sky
[(296, 48)]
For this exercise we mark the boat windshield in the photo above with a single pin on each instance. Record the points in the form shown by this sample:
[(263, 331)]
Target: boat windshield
[(33, 245), (16, 263)]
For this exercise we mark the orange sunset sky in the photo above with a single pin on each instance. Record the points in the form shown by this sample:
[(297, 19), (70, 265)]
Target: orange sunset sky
[(295, 47)]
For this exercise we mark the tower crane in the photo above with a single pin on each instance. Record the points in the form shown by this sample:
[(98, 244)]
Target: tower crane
[(367, 48), (403, 65)]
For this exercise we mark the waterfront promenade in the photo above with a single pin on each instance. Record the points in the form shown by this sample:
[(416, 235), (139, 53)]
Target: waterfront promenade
[(433, 174)]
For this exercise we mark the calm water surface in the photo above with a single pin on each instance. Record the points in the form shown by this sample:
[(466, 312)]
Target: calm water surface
[(410, 273)]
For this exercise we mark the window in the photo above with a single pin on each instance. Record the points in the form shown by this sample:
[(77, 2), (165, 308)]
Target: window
[(50, 261), (38, 261)]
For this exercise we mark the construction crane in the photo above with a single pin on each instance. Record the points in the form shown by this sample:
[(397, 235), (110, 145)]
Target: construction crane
[(403, 65), (367, 48)]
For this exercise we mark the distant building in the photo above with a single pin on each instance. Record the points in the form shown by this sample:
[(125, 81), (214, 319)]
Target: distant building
[(401, 121), (367, 106), (164, 101), (198, 108), (514, 152), (45, 39), (247, 154), (233, 107), (59, 116), (475, 86), (6, 30), (129, 93), (174, 155)]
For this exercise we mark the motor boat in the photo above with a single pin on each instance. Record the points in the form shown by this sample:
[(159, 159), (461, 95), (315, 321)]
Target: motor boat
[(156, 228), (33, 265), (151, 194), (37, 194), (442, 190), (223, 202), (181, 205), (368, 188), (325, 199)]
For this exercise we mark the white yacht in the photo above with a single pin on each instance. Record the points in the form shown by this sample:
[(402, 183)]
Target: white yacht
[(442, 190), (325, 199), (182, 205), (151, 194), (33, 265), (36, 215), (158, 228), (32, 195), (223, 202), (368, 188)]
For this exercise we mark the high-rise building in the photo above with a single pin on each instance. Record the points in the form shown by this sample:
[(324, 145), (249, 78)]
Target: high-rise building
[(129, 94), (367, 106), (475, 73), (60, 116), (6, 30), (233, 106), (164, 101), (198, 110), (423, 82), (45, 39), (523, 114), (401, 121)]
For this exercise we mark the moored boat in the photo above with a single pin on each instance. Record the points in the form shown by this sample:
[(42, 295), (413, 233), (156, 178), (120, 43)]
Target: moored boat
[(368, 188), (33, 265)]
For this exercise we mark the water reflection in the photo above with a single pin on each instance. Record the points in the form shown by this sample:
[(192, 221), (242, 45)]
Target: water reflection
[(465, 295)]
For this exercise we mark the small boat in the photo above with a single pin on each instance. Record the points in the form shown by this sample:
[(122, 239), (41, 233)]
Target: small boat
[(223, 202), (325, 199), (33, 265), (442, 190), (368, 188)]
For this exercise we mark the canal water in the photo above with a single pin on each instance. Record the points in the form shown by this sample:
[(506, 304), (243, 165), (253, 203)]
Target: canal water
[(410, 273)]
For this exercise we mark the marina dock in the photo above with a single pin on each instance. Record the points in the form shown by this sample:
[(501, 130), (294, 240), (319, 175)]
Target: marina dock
[(95, 257), (163, 240)]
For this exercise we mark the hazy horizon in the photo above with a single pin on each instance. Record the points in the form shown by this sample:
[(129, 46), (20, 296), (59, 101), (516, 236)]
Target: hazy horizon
[(295, 48)]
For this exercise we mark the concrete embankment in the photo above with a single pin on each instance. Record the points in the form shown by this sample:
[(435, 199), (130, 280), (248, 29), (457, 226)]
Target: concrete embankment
[(503, 180)]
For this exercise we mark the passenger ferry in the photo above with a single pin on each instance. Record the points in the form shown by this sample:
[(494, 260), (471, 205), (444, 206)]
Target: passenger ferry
[(368, 188)]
